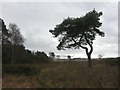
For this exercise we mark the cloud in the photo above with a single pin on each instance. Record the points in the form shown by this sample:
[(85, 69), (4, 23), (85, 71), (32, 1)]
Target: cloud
[(36, 18)]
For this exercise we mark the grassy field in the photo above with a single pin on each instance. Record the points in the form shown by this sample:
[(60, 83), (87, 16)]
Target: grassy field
[(61, 75)]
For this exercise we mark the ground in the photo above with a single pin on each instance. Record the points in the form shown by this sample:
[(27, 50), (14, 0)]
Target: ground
[(71, 74)]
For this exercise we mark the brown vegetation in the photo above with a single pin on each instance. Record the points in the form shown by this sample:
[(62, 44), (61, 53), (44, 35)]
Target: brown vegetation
[(63, 75)]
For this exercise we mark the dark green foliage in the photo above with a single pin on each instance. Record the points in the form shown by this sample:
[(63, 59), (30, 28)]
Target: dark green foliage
[(22, 56), (41, 55), (6, 54), (78, 29), (52, 55), (4, 35)]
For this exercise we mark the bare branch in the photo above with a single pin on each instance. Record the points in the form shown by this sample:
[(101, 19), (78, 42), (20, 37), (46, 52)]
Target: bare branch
[(79, 44)]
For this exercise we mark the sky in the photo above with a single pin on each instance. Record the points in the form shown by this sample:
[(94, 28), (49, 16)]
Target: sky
[(35, 19)]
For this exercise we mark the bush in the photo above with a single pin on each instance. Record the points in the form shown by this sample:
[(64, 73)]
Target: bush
[(20, 70)]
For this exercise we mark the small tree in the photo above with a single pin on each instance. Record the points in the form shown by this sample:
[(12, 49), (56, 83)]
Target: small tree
[(79, 32), (58, 56), (69, 57), (16, 39), (4, 34), (100, 56), (52, 55)]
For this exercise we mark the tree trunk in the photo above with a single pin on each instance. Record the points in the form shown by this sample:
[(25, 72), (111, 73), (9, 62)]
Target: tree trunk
[(13, 51), (14, 54), (89, 57), (90, 52), (89, 60)]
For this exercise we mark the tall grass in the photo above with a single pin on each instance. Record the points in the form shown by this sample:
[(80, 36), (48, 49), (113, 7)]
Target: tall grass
[(62, 75)]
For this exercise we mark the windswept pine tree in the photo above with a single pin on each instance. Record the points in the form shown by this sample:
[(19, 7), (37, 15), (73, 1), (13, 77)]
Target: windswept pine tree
[(79, 32)]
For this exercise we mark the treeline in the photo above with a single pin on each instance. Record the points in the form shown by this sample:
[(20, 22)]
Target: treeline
[(13, 49)]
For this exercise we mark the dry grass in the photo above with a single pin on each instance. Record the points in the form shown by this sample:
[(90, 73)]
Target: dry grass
[(64, 75)]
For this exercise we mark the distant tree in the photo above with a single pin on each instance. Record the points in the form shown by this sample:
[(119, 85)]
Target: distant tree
[(13, 50), (58, 56), (1, 23), (41, 55), (16, 36), (69, 57), (4, 34), (5, 43), (52, 55), (100, 56), (28, 51), (79, 32), (16, 39)]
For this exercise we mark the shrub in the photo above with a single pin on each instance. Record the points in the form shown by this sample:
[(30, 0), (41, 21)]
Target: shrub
[(20, 70)]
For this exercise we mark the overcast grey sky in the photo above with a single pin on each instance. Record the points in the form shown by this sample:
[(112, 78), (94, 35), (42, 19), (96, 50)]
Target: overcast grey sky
[(36, 18)]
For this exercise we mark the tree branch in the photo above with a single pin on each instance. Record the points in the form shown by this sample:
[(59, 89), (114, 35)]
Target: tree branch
[(91, 47), (79, 44), (81, 38)]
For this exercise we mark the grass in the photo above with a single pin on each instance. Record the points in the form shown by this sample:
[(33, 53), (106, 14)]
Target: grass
[(61, 75)]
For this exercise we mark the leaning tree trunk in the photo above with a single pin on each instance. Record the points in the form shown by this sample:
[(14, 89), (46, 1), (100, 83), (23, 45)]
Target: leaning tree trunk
[(89, 56), (86, 49), (89, 60), (89, 52)]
